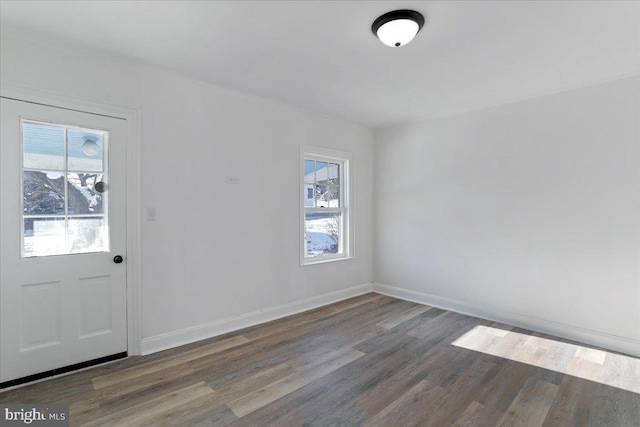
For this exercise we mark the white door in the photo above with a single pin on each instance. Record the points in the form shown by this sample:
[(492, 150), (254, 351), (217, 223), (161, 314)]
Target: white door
[(62, 223)]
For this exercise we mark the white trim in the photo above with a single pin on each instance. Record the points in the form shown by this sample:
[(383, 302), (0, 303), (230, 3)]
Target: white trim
[(600, 339), (131, 115), (223, 326)]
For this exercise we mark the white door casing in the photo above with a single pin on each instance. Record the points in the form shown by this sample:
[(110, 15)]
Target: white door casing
[(59, 310)]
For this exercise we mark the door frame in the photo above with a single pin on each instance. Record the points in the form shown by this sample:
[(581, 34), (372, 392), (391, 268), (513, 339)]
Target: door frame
[(131, 116)]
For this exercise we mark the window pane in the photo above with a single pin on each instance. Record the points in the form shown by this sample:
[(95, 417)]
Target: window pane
[(309, 196), (43, 193), (321, 172), (44, 236), (63, 212), (333, 195), (82, 195), (87, 235), (323, 232), (85, 150), (322, 196), (42, 146), (334, 174), (309, 172)]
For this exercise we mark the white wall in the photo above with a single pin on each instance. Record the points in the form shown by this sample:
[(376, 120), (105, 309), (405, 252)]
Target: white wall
[(527, 213), (217, 251)]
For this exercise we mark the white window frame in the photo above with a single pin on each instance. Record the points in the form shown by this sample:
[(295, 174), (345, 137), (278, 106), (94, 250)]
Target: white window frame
[(345, 160)]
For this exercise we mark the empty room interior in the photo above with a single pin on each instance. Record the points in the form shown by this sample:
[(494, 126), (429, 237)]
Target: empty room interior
[(327, 213)]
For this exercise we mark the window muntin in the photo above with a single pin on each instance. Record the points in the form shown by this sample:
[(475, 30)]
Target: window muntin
[(64, 203), (325, 206)]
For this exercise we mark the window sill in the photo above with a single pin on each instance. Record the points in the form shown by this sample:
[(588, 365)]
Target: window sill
[(324, 261)]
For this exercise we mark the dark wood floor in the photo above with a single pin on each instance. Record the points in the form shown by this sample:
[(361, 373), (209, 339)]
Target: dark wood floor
[(370, 360)]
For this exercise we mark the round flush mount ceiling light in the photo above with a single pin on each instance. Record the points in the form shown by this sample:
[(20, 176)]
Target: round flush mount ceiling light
[(397, 28), (90, 147)]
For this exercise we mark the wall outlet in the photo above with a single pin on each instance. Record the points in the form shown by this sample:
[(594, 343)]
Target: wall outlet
[(233, 179)]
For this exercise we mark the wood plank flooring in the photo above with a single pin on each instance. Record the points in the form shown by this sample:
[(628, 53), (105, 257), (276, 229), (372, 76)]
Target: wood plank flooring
[(371, 360)]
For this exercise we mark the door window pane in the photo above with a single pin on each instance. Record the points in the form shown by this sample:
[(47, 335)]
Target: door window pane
[(82, 195), (87, 234), (44, 236), (43, 193), (43, 146), (64, 209), (85, 149)]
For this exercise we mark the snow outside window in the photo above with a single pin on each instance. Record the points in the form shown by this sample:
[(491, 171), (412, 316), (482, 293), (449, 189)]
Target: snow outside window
[(325, 206), (64, 203)]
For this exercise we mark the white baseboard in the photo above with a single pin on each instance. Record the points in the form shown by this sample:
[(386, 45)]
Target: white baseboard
[(223, 326), (600, 339)]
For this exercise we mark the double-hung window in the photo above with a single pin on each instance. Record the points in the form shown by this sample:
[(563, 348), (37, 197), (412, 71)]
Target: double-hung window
[(326, 214)]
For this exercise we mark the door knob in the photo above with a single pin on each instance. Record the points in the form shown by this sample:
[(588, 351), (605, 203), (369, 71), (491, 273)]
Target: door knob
[(117, 259)]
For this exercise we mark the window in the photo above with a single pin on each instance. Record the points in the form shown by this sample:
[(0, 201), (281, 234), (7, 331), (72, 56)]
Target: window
[(64, 204), (326, 217)]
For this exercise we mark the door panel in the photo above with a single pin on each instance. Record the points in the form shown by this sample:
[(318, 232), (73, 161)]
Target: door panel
[(62, 206)]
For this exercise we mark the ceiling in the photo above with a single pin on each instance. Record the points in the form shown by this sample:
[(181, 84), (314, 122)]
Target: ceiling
[(321, 55)]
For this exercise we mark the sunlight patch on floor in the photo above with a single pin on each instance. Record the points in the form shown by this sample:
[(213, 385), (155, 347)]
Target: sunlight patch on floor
[(591, 364)]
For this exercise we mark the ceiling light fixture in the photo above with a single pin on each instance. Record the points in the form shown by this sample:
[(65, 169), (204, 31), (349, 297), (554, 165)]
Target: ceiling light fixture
[(397, 28), (90, 147)]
